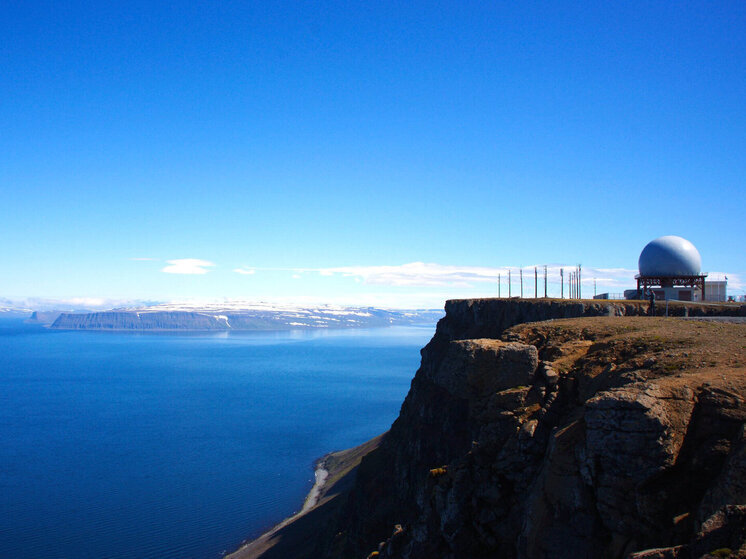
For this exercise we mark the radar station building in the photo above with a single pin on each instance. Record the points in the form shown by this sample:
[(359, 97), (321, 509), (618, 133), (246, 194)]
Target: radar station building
[(670, 267)]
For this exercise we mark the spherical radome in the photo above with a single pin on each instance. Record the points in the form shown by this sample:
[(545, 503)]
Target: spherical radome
[(669, 256)]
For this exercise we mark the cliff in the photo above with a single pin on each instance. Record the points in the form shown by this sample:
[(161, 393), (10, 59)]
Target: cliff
[(596, 436), (132, 320), (251, 319)]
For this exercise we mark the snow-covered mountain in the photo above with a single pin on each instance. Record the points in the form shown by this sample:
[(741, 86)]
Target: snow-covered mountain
[(237, 315)]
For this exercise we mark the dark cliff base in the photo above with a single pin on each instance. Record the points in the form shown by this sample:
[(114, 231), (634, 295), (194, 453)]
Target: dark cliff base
[(600, 435), (298, 535)]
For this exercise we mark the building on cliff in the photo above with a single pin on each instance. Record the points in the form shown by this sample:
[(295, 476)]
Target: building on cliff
[(670, 267)]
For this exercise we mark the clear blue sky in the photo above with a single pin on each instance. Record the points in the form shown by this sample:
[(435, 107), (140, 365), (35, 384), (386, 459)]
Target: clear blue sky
[(305, 139)]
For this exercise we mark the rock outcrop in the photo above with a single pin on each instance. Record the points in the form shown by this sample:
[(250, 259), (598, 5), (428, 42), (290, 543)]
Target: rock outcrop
[(594, 437), (489, 318)]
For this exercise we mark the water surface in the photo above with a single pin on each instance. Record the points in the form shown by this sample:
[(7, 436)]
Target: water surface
[(128, 445)]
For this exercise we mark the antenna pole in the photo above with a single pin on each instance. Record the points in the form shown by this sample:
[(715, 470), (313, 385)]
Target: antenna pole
[(521, 274), (545, 281), (574, 288)]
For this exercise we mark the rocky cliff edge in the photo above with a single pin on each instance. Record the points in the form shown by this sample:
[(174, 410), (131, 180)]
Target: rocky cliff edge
[(598, 436)]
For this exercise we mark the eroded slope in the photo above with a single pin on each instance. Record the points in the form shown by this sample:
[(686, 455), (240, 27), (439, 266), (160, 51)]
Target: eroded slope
[(592, 437)]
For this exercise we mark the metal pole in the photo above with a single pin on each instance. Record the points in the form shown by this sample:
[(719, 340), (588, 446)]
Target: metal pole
[(521, 274), (562, 283), (536, 284), (545, 281), (580, 282)]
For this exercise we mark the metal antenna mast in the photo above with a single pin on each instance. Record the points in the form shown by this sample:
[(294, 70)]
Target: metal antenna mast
[(521, 274), (545, 281)]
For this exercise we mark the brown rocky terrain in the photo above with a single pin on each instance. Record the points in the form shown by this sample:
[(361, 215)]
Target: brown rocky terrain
[(601, 436)]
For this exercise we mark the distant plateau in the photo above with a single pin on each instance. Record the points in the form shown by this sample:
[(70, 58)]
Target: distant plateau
[(244, 319)]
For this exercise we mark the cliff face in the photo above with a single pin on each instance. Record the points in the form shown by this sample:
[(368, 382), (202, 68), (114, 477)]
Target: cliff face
[(593, 437), (489, 318), (147, 319), (131, 320)]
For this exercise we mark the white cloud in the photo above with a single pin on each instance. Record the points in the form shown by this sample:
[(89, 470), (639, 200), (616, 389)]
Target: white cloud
[(187, 266), (244, 271), (421, 274), (77, 303), (416, 274)]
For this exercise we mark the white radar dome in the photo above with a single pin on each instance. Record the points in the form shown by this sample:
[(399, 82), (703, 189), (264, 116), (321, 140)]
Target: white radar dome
[(669, 256)]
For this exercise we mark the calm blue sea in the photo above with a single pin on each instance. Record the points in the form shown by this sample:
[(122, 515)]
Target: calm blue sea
[(126, 445)]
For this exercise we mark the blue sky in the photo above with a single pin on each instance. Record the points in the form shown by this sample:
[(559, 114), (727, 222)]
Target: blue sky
[(327, 147)]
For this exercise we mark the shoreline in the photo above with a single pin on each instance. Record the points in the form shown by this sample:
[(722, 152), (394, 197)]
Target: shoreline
[(332, 473), (321, 474)]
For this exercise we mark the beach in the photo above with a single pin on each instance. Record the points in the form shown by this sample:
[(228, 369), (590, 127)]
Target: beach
[(333, 474)]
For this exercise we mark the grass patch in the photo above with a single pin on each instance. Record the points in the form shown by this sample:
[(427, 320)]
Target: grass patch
[(437, 472)]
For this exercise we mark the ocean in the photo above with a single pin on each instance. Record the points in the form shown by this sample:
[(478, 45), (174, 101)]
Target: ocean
[(138, 445)]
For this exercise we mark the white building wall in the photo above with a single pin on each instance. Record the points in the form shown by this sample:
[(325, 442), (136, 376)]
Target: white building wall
[(715, 292)]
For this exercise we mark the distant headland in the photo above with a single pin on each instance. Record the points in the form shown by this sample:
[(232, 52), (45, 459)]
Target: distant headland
[(249, 318)]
